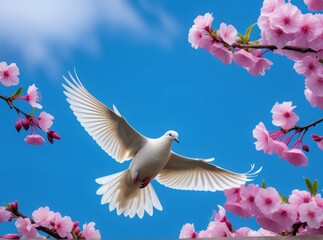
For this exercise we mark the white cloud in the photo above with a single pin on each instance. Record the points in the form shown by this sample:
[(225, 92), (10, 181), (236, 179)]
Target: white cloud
[(43, 32)]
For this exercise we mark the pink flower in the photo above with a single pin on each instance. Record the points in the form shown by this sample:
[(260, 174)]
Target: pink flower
[(241, 232), (228, 33), (203, 22), (318, 140), (248, 195), (286, 17), (238, 209), (308, 66), (308, 30), (315, 84), (4, 215), (218, 229), (269, 6), (283, 115), (45, 121), (315, 101), (268, 200), (299, 197), (286, 216), (34, 139), (188, 231), (26, 228), (62, 225), (252, 62), (89, 232), (314, 5), (311, 214), (278, 147), (199, 38), (221, 216), (221, 53), (295, 156), (232, 194), (43, 216), (264, 142), (8, 74), (269, 223), (33, 96)]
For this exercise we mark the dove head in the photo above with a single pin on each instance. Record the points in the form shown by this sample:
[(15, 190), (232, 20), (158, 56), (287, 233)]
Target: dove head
[(172, 135)]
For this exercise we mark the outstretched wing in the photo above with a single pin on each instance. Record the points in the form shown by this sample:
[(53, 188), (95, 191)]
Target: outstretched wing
[(196, 174), (109, 129)]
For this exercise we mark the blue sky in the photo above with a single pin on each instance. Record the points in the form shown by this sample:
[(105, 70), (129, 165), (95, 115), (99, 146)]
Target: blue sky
[(136, 55)]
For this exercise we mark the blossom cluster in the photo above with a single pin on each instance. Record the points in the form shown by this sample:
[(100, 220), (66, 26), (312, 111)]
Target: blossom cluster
[(9, 77), (278, 141), (48, 221), (284, 30), (299, 215)]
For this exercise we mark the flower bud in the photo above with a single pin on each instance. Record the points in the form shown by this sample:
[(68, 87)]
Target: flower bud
[(10, 236), (18, 126), (75, 224), (316, 138), (25, 123), (77, 230), (14, 206), (51, 135), (306, 148)]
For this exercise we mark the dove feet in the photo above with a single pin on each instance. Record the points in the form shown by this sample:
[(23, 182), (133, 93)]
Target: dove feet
[(145, 182)]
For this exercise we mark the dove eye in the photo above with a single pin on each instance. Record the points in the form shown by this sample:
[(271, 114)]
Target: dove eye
[(169, 134)]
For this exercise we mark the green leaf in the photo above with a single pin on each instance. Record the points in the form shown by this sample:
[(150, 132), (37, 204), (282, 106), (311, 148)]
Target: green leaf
[(308, 184), (17, 93), (263, 185), (32, 111), (315, 186), (283, 198), (248, 31)]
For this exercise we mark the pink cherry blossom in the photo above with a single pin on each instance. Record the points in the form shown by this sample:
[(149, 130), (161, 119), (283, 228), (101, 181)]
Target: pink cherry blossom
[(278, 37), (218, 229), (269, 6), (33, 96), (248, 195), (221, 53), (203, 22), (260, 66), (308, 66), (283, 115), (62, 225), (295, 156), (315, 84), (34, 139), (269, 223), (308, 30), (264, 142), (268, 200), (232, 194), (311, 214), (26, 228), (4, 215), (314, 5), (9, 74), (199, 38), (241, 232), (89, 232), (299, 197), (43, 216), (244, 59), (188, 231), (286, 17), (228, 33), (45, 121), (278, 147), (315, 101), (221, 216), (318, 200), (286, 216), (238, 209)]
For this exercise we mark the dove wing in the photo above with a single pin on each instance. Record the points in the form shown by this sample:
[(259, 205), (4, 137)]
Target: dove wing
[(109, 129), (197, 174)]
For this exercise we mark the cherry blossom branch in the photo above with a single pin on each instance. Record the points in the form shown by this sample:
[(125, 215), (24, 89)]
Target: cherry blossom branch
[(12, 106), (18, 214), (273, 47), (306, 127)]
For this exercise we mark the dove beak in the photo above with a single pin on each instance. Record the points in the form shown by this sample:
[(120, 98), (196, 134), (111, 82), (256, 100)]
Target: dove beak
[(176, 140)]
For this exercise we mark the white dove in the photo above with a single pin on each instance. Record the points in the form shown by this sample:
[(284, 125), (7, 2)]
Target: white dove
[(129, 191)]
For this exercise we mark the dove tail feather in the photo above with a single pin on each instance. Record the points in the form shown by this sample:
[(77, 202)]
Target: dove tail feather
[(128, 199)]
